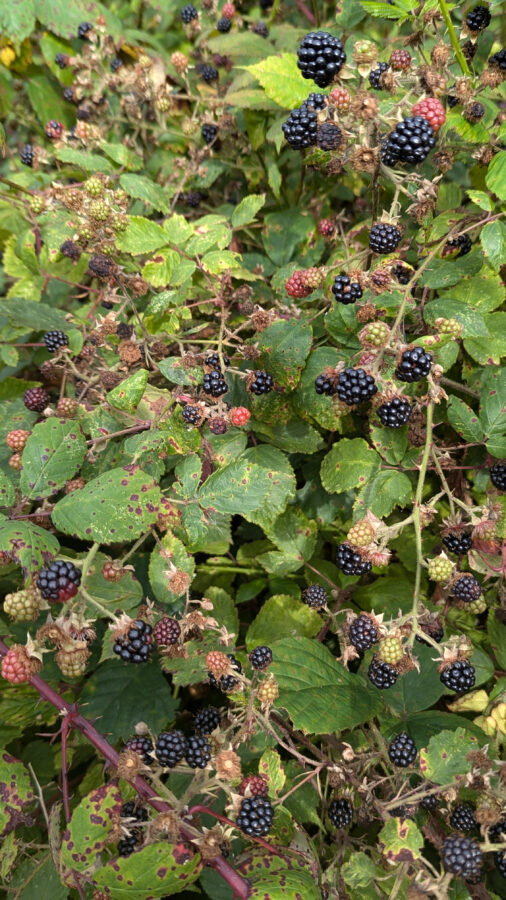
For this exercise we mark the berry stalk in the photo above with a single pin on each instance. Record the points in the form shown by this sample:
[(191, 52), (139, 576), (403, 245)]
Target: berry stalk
[(453, 37), (416, 516)]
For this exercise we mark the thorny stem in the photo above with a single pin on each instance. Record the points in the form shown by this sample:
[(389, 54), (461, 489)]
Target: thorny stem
[(416, 518), (459, 56), (443, 480), (239, 886)]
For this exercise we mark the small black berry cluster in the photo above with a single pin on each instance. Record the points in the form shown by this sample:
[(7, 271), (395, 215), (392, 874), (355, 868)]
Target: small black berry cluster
[(226, 683), (458, 676), (136, 644), (207, 720), (411, 142), (262, 383), (59, 581), (170, 748), (198, 752), (458, 542), (382, 674), (414, 365), (341, 812), (395, 413), (143, 746), (315, 596), (355, 386), (214, 381), (362, 633), (462, 818), (54, 340), (350, 560), (320, 57), (402, 750), (345, 290), (255, 816), (261, 657)]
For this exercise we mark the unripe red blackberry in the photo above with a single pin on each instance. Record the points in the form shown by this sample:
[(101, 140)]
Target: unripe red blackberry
[(326, 227), (17, 439), (112, 570), (167, 631), (253, 786), (59, 581), (296, 286), (217, 425), (400, 60), (17, 666), (54, 129), (340, 99), (431, 109), (390, 650), (36, 399), (15, 462), (239, 416)]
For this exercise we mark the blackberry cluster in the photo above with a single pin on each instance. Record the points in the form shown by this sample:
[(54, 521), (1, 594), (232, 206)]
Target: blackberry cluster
[(498, 60), (224, 25), (384, 238), (59, 581), (430, 802), (213, 361), (189, 13), (497, 833), (462, 818), (497, 474), (36, 399), (320, 57), (458, 542), (68, 95), (461, 856), (345, 290), (466, 588), (191, 415), (341, 812), (375, 75), (478, 18), (116, 64), (414, 365), (255, 816), (127, 845), (325, 385), (330, 136), (434, 630), (452, 101), (209, 74), (395, 413), (143, 746), (136, 645), (209, 133), (463, 244), (198, 752), (27, 155), (170, 748), (314, 596), (130, 810), (226, 683), (261, 29), (61, 60), (354, 386), (71, 251), (500, 861), (214, 383), (262, 384), (207, 720), (350, 561), (362, 633), (402, 273), (166, 632), (301, 128), (382, 674), (402, 750), (55, 339), (83, 30), (459, 676), (411, 141), (260, 657)]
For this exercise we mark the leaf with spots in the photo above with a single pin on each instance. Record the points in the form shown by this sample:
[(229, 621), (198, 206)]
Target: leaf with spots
[(445, 759), (119, 505), (465, 422), (32, 547), (171, 571), (274, 878), (157, 870), (89, 828), (7, 493), (128, 393), (350, 463), (270, 767), (15, 793), (52, 455), (400, 841), (285, 347), (238, 488)]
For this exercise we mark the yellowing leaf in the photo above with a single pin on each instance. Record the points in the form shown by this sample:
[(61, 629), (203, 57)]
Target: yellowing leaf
[(281, 79)]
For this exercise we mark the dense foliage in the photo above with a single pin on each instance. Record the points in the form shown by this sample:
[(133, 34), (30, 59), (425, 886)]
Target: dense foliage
[(253, 450)]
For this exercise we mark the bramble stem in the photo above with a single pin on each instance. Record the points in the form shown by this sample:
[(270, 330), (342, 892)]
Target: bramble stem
[(416, 517), (459, 56)]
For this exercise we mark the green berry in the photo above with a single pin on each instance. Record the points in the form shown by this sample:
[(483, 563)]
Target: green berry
[(361, 534), (119, 223), (449, 326), (23, 606), (477, 606), (375, 334), (440, 568), (99, 210), (108, 249), (94, 186), (390, 650), (85, 235), (36, 204)]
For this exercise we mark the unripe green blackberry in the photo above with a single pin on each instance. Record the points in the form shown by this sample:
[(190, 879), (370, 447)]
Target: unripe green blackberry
[(361, 533), (108, 249), (390, 650), (162, 104), (23, 606), (36, 204), (477, 606), (375, 334), (94, 186), (440, 568), (121, 197), (118, 223), (448, 326), (99, 210), (85, 234)]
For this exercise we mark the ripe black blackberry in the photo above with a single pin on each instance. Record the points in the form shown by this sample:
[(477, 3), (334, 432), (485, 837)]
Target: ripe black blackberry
[(452, 101), (497, 474), (411, 141), (341, 812), (214, 383), (325, 385), (226, 683), (458, 542), (382, 674), (463, 244), (170, 747), (55, 339), (59, 581), (261, 29), (314, 101), (375, 75), (301, 128), (208, 73), (36, 399), (71, 251), (132, 810), (207, 720), (198, 752), (330, 136), (345, 290), (466, 588), (209, 133), (478, 18), (191, 414), (189, 13), (166, 632), (350, 561), (462, 818), (261, 657), (500, 861), (354, 386), (497, 833), (127, 844), (143, 746), (27, 155), (224, 25), (320, 57), (498, 60), (384, 238), (68, 95), (395, 413), (461, 856), (61, 60), (116, 64), (214, 360), (459, 676), (255, 816), (136, 644), (402, 273), (262, 384), (474, 112), (414, 365), (83, 30), (101, 266), (432, 629), (314, 596), (402, 750), (362, 633), (430, 802), (192, 199)]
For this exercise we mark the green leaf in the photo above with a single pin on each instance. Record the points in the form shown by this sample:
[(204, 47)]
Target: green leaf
[(442, 273), (282, 616), (15, 790), (125, 594), (47, 102), (37, 877), (359, 871), (247, 209), (391, 443), (296, 436), (173, 370), (445, 759), (492, 412), (241, 487), (88, 831), (351, 463), (52, 455), (141, 236), (7, 492), (89, 162), (497, 636), (320, 695), (417, 690), (276, 878), (282, 478), (32, 547), (35, 316), (63, 18), (128, 393), (495, 178), (17, 20), (281, 79), (401, 841), (157, 870), (464, 420), (270, 767), (382, 10), (481, 199), (117, 506), (493, 241), (285, 346), (224, 609), (384, 492), (142, 188), (294, 535), (116, 691), (168, 556)]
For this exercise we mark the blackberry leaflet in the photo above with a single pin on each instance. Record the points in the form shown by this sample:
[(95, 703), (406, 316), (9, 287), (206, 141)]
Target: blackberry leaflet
[(362, 633), (198, 752), (136, 645), (382, 674), (466, 588), (411, 141), (462, 818), (170, 748), (261, 657), (395, 413), (345, 290), (59, 581), (226, 683), (497, 474), (314, 596), (320, 57), (384, 238), (143, 746), (478, 18), (461, 856), (214, 383), (354, 386), (375, 75), (262, 383), (207, 720), (414, 365), (459, 676), (55, 339), (325, 385), (402, 750), (458, 542), (341, 812), (350, 561), (255, 816)]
